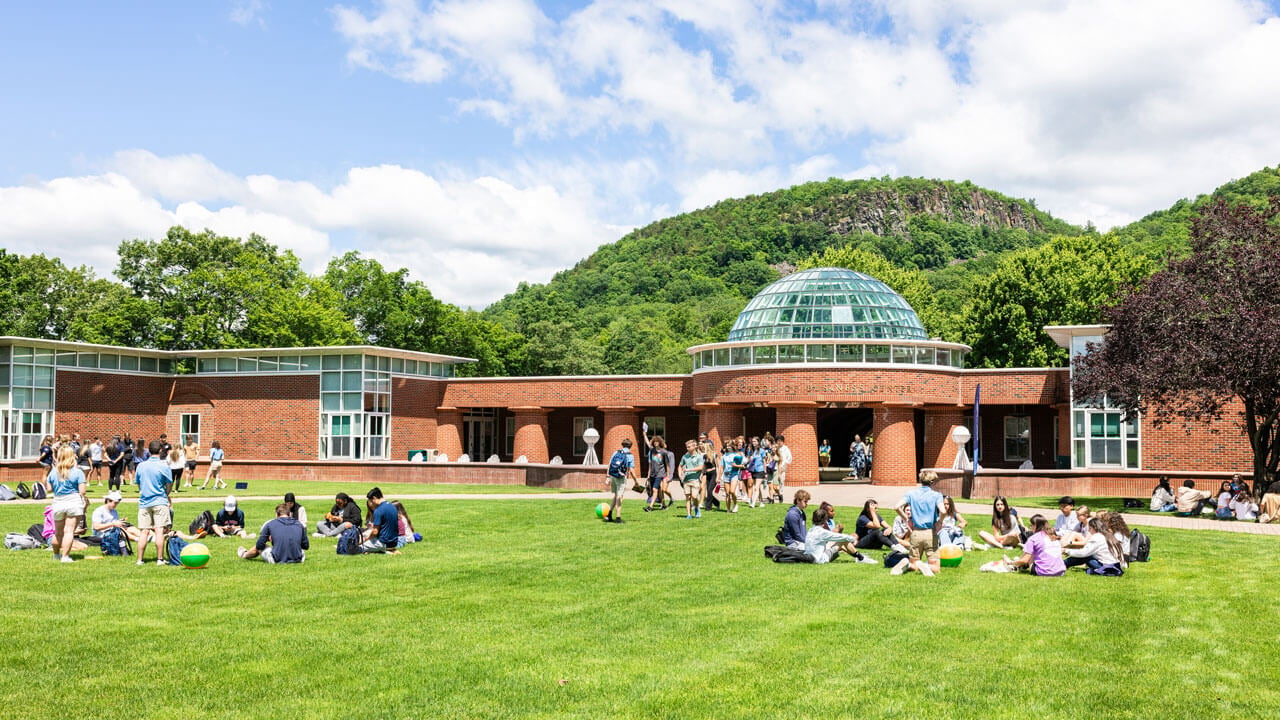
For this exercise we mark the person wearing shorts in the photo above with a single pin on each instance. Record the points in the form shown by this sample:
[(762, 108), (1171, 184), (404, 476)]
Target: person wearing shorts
[(618, 484), (926, 508), (691, 464), (215, 467), (784, 464), (154, 518), (68, 485)]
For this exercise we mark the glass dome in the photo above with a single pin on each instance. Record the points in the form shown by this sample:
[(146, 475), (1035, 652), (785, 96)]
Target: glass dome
[(827, 303)]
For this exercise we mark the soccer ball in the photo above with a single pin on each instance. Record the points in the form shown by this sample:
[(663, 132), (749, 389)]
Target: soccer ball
[(602, 511), (194, 556), (950, 555)]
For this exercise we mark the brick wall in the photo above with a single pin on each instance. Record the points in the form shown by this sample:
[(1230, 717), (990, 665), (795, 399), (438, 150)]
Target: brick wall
[(107, 404), (264, 417)]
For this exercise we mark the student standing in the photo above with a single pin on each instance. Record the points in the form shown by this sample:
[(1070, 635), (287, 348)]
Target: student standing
[(153, 480), (622, 469), (691, 464), (68, 485), (926, 507)]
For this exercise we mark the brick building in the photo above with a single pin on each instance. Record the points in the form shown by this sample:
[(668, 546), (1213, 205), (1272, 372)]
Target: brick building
[(819, 354)]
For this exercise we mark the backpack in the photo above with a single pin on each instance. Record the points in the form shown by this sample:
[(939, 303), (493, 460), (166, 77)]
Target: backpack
[(37, 533), (115, 542), (24, 492), (349, 542), (1139, 546), (6, 494), (20, 541), (175, 546), (202, 525), (618, 465), (783, 554), (38, 493)]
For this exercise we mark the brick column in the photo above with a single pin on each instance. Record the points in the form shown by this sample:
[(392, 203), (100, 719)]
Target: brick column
[(621, 422), (895, 449), (531, 434), (719, 422), (1064, 431), (798, 423), (939, 451), (449, 432)]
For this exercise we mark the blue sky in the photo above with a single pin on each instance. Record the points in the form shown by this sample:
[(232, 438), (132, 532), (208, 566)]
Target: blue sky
[(484, 142)]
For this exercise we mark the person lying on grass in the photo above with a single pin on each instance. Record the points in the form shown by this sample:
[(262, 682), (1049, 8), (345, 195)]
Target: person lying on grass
[(824, 544), (1006, 526), (1101, 551), (1042, 554), (287, 536)]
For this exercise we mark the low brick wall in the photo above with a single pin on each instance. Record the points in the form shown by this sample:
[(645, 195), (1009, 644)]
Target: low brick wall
[(570, 477), (1085, 483)]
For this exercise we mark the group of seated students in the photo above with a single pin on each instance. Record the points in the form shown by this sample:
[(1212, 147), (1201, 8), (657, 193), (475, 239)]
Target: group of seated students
[(1233, 501), (1100, 542)]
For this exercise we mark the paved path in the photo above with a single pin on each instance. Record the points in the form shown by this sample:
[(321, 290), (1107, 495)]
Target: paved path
[(839, 495)]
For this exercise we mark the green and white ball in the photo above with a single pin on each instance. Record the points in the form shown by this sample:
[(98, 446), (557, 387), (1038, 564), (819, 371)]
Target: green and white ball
[(194, 556)]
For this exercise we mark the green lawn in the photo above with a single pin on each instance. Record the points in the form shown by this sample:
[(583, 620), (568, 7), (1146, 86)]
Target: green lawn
[(273, 488), (536, 609)]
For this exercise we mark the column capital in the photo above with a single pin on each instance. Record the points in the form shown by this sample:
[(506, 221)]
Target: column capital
[(529, 410), (447, 409), (617, 408)]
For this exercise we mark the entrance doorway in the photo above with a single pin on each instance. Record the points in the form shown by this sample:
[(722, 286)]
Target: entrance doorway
[(480, 428), (839, 425)]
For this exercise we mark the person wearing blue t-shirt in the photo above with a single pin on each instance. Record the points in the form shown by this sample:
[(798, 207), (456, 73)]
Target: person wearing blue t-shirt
[(384, 533), (68, 485), (153, 479), (926, 505)]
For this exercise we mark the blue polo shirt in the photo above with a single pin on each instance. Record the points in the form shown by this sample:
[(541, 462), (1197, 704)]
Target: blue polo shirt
[(151, 478), (924, 502)]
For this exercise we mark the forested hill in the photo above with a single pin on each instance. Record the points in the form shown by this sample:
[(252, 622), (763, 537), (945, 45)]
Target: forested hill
[(635, 305)]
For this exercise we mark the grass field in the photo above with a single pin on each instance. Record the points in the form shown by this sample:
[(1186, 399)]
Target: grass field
[(536, 609)]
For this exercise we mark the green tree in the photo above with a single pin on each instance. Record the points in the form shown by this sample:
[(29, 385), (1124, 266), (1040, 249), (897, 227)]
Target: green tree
[(209, 291), (42, 298), (1065, 282)]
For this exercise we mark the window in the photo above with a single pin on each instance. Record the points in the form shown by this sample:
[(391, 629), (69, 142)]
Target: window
[(1017, 437), (657, 426), (1101, 437), (580, 425), (189, 429), (509, 442)]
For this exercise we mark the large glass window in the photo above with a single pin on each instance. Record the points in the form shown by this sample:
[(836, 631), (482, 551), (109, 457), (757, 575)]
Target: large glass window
[(357, 388), (1100, 437), (190, 428), (1017, 437)]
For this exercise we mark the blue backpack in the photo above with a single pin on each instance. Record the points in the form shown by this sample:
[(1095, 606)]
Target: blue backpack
[(618, 464), (349, 542), (115, 542), (175, 546)]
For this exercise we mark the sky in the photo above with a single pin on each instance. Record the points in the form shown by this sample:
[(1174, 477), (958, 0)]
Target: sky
[(482, 143)]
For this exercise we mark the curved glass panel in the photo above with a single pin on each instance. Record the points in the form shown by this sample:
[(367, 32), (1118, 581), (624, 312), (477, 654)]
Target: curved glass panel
[(827, 303)]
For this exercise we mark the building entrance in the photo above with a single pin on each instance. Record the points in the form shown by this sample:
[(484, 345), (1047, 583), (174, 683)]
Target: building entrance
[(839, 425)]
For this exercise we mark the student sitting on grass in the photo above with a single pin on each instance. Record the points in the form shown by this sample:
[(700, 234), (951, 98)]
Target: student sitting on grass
[(1190, 500), (403, 525), (1162, 497), (1222, 506), (1066, 521), (870, 530), (1101, 552), (901, 530), (793, 530), (229, 520), (1042, 554), (344, 514), (1120, 531), (287, 536), (953, 525), (1243, 505), (384, 525), (1006, 526), (824, 544)]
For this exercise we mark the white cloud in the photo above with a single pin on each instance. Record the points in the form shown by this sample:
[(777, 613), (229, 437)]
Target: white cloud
[(245, 12), (473, 239)]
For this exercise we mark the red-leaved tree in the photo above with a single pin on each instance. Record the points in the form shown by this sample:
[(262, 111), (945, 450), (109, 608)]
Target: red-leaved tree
[(1201, 333)]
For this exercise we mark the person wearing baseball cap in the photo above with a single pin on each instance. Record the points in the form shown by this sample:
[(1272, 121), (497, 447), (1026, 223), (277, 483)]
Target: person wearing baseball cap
[(230, 519), (107, 517)]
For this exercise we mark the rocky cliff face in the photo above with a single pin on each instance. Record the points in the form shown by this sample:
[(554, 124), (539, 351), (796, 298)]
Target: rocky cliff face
[(887, 212)]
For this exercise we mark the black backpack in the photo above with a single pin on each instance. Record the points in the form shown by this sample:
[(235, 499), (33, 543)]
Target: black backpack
[(37, 492), (23, 491), (349, 542), (783, 554), (202, 525), (1139, 546), (37, 531)]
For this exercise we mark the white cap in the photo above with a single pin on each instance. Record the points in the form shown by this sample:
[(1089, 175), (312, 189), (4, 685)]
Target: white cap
[(230, 504), (114, 495)]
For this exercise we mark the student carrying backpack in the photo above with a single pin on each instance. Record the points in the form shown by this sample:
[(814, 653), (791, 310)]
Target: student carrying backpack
[(618, 464)]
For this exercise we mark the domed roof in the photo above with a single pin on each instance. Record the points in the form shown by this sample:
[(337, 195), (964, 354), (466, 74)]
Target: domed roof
[(827, 303)]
